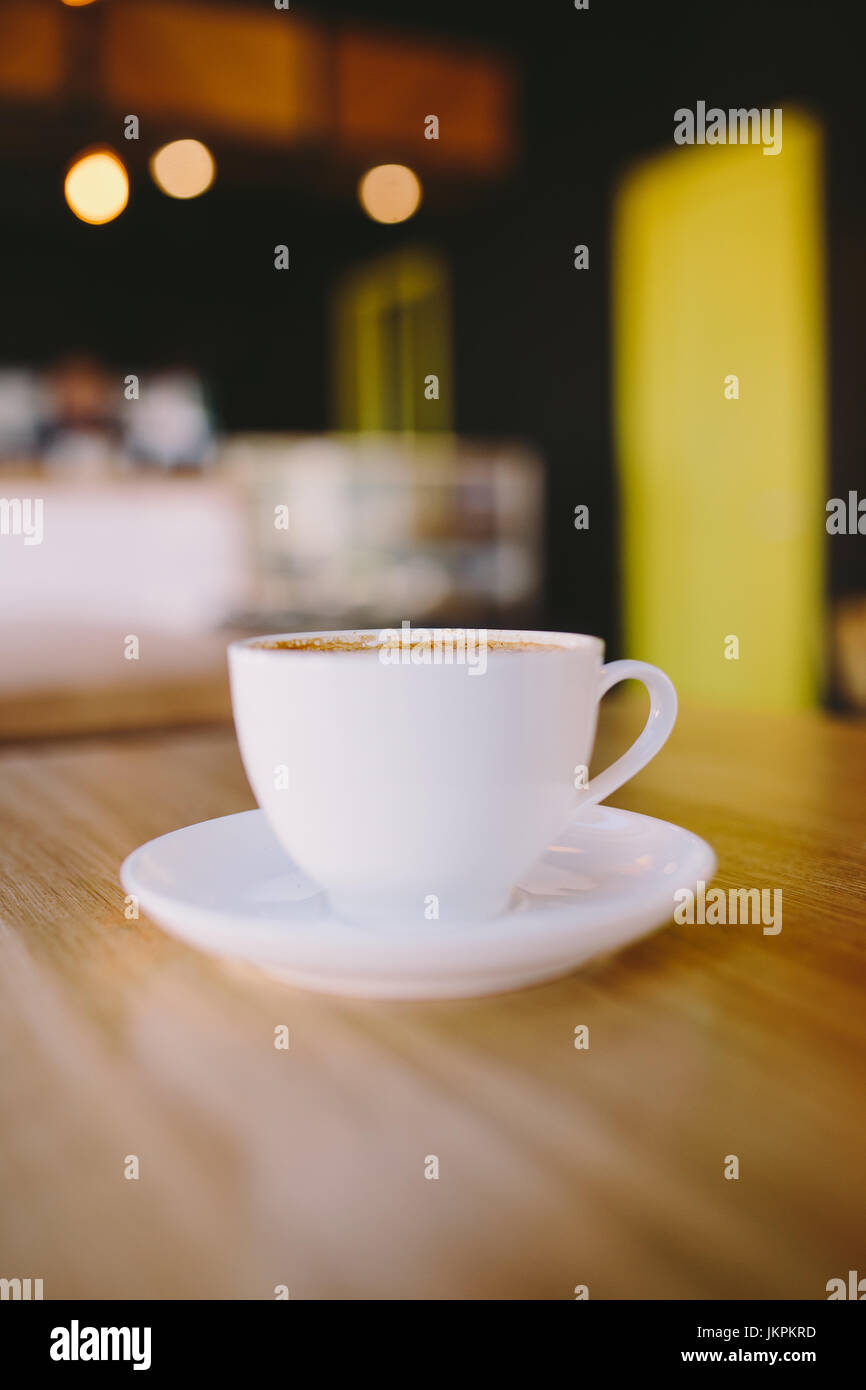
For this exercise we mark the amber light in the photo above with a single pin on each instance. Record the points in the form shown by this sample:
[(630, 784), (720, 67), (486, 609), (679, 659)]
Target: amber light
[(183, 168), (97, 187), (389, 193)]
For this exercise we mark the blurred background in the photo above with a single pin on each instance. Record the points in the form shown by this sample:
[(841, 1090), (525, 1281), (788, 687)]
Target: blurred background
[(319, 317)]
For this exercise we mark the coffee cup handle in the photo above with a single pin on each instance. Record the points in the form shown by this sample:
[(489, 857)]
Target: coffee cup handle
[(656, 731)]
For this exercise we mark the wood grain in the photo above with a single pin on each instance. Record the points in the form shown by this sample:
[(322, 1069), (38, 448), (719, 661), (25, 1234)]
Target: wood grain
[(557, 1167)]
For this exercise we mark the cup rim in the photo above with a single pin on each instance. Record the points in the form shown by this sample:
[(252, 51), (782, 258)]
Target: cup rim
[(547, 641)]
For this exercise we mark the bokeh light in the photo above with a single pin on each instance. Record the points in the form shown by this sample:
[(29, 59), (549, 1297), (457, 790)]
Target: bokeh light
[(76, 4), (389, 193), (183, 168), (97, 187)]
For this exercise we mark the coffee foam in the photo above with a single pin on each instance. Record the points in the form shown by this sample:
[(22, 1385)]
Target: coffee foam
[(371, 643)]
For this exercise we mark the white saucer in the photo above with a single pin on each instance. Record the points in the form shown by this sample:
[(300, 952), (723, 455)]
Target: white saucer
[(228, 887)]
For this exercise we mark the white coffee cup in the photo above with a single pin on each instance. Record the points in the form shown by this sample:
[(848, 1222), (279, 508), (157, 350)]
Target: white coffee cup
[(415, 790)]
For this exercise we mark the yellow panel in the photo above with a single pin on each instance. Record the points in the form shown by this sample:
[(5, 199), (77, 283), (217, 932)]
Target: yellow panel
[(718, 270), (391, 329), (251, 74)]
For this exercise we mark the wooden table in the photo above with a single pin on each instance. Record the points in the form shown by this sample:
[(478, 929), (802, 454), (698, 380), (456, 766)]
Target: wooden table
[(74, 679), (558, 1167)]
